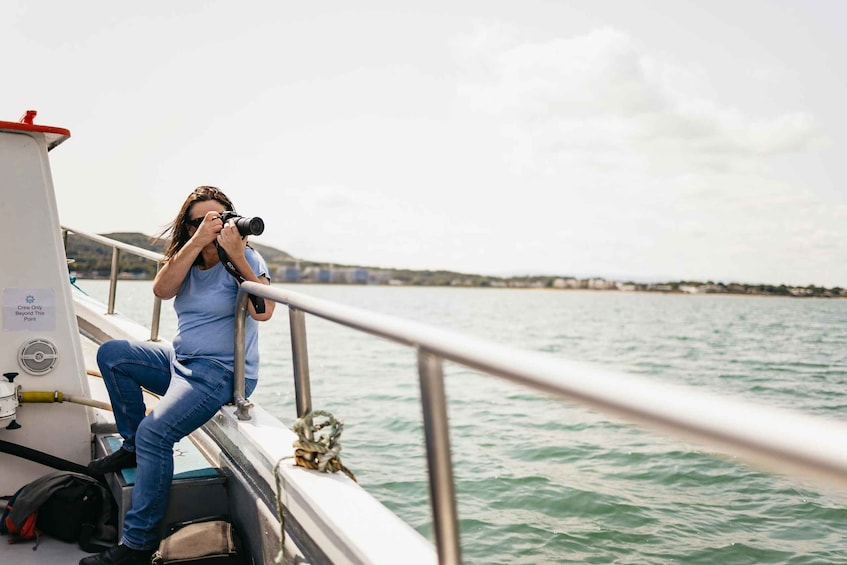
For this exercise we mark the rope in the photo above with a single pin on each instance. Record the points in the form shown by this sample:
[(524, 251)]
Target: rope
[(281, 555), (73, 282), (319, 453)]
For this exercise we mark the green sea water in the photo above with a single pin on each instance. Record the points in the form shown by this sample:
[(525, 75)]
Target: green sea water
[(541, 481)]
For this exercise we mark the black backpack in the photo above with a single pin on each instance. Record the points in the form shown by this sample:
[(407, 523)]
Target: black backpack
[(68, 506)]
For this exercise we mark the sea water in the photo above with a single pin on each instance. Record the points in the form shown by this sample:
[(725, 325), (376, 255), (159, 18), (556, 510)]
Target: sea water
[(542, 481)]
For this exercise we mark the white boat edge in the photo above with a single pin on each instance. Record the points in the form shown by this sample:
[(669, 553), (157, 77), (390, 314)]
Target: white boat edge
[(329, 518)]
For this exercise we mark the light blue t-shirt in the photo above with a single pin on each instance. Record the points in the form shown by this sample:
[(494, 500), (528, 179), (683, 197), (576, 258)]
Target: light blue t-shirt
[(205, 309)]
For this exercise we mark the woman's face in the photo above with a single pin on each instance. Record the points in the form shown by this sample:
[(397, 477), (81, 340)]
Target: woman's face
[(199, 209)]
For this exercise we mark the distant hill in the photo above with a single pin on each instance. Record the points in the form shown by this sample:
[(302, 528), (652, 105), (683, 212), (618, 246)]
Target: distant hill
[(273, 257), (92, 260)]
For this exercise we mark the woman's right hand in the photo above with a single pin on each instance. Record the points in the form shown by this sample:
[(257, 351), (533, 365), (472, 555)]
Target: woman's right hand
[(209, 228), (169, 279)]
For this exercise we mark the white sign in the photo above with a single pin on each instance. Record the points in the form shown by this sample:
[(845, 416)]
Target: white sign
[(29, 309)]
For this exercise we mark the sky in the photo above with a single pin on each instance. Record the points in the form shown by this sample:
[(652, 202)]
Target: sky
[(653, 140)]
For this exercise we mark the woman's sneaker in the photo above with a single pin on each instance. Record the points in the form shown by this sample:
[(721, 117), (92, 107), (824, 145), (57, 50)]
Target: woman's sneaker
[(115, 461), (119, 555)]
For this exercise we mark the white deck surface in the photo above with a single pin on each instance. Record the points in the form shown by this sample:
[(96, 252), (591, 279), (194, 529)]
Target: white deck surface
[(48, 552)]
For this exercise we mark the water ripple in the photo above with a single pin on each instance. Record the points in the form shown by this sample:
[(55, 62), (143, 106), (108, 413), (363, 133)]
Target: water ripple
[(543, 482)]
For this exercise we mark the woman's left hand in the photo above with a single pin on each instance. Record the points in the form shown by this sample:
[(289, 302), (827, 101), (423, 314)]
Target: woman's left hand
[(231, 241)]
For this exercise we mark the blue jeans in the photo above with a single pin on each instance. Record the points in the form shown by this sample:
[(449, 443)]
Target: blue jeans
[(191, 392)]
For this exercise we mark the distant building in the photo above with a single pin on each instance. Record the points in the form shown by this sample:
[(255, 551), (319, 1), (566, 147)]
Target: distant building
[(600, 284), (712, 288), (360, 276), (379, 277), (661, 287), (340, 276)]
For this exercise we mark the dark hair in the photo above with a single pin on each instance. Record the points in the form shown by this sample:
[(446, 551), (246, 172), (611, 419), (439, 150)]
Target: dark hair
[(177, 231)]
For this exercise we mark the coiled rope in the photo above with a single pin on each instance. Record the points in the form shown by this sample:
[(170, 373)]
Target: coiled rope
[(317, 447), (322, 451)]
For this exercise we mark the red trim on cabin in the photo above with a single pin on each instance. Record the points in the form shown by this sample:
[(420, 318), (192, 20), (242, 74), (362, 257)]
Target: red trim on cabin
[(54, 135)]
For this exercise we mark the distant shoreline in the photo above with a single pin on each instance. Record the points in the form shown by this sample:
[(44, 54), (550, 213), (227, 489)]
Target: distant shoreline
[(92, 261), (565, 284)]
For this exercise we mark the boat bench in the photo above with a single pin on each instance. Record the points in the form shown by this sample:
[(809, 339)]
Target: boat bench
[(197, 491)]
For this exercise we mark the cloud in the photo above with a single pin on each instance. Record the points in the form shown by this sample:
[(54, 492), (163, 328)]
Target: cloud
[(654, 173), (601, 97), (347, 224)]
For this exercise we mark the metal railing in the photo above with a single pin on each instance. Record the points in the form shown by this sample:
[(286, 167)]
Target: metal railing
[(117, 247), (779, 440)]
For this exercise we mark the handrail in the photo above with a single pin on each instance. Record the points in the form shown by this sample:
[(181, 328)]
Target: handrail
[(779, 440), (117, 247), (114, 243), (776, 439)]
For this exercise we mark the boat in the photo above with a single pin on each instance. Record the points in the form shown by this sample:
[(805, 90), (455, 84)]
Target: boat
[(229, 467), (243, 463)]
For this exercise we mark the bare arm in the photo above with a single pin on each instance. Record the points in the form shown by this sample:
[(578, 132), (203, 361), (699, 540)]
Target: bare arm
[(169, 279), (234, 245)]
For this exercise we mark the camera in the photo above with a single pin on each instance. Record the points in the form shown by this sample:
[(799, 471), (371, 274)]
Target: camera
[(246, 226)]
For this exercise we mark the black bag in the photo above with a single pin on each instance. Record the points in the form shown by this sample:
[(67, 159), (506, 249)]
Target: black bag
[(207, 541), (71, 513), (68, 506)]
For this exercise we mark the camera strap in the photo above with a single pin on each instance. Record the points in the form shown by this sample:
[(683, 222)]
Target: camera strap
[(258, 301)]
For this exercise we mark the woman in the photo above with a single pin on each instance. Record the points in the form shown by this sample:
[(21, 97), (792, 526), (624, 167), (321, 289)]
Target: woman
[(194, 376)]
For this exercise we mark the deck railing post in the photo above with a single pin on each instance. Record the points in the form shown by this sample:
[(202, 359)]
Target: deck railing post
[(157, 312), (113, 280), (242, 405), (437, 434), (300, 355)]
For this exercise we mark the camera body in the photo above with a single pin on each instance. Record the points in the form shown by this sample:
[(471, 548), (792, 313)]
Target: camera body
[(246, 226)]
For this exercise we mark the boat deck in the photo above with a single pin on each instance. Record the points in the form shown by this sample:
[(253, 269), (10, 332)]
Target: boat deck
[(198, 487)]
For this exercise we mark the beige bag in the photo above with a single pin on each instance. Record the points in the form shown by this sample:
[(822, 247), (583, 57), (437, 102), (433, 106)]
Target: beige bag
[(212, 541)]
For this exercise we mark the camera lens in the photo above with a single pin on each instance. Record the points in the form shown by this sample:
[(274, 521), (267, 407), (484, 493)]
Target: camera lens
[(250, 226), (257, 226)]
